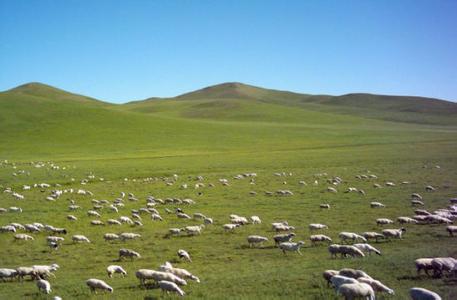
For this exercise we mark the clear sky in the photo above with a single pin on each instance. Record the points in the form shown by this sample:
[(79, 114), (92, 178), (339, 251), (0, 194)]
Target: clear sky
[(125, 50)]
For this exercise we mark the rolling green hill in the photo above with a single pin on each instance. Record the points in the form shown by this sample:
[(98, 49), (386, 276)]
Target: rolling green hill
[(225, 117)]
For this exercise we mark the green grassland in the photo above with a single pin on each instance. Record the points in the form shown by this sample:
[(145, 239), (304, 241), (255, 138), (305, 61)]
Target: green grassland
[(220, 132)]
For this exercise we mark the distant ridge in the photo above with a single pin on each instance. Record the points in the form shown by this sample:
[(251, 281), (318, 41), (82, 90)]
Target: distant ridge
[(219, 100)]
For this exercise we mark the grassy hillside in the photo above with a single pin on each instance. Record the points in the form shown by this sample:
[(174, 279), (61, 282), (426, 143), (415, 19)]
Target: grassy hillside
[(218, 133)]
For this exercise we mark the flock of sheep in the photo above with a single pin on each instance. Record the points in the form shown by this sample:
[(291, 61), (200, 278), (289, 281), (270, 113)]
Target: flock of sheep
[(346, 282)]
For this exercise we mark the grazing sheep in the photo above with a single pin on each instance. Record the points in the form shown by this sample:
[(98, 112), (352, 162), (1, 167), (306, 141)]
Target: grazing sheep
[(115, 269), (319, 238), (44, 286), (416, 196), (451, 229), (128, 253), (182, 273), (8, 228), (127, 220), (168, 286), (256, 239), (280, 228), (93, 213), (344, 251), (376, 205), (156, 217), (95, 284), (441, 265), (194, 230), (328, 274), (406, 220), (324, 206), (7, 273), (80, 239), (290, 246), (183, 216), (429, 188), (97, 223), (145, 274), (230, 227), (110, 237), (199, 216), (15, 209), (344, 236), (255, 220), (23, 237), (184, 254), (355, 290), (353, 273), (128, 236), (377, 285), (367, 248), (208, 221), (317, 226), (395, 233), (372, 235), (416, 202), (32, 228), (72, 218), (113, 222), (384, 221), (423, 264), (338, 280), (55, 239), (175, 231), (423, 294), (281, 238), (25, 271)]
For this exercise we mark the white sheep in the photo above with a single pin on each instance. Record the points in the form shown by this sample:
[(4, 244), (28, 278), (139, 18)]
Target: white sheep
[(128, 253), (314, 226), (367, 248), (184, 254), (168, 286), (95, 284), (344, 251), (423, 264), (15, 209), (194, 230), (290, 246), (128, 236), (8, 228), (44, 286), (451, 229), (255, 220), (97, 223), (32, 228), (181, 273), (395, 233), (406, 220), (23, 237), (93, 213), (77, 238), (417, 293), (328, 274), (344, 236), (316, 238), (355, 290), (113, 222), (175, 231), (284, 228), (230, 227), (115, 269), (7, 273), (377, 205), (348, 272), (377, 285), (125, 219), (324, 206), (55, 239), (443, 264), (384, 221), (145, 274), (183, 216), (72, 218), (338, 280), (256, 239), (110, 236), (156, 217), (372, 235)]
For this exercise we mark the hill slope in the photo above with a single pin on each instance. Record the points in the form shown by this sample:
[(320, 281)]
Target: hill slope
[(233, 100)]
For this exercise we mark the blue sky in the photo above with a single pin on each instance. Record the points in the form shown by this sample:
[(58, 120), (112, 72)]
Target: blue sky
[(125, 50)]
